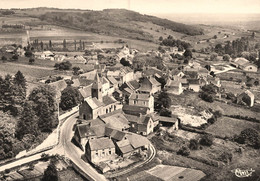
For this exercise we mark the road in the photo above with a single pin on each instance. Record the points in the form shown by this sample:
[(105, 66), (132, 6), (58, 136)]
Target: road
[(67, 148)]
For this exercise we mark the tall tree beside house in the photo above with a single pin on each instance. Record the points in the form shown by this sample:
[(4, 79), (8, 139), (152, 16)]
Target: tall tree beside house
[(41, 44), (28, 123), (19, 79), (50, 174), (45, 106), (70, 97), (80, 44), (162, 101), (50, 44), (187, 54), (83, 45), (64, 44), (75, 45)]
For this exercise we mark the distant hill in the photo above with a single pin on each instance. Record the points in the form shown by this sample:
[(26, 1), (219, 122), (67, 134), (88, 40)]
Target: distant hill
[(116, 22)]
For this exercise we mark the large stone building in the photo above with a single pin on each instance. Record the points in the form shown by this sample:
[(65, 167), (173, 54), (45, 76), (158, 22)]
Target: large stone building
[(97, 104)]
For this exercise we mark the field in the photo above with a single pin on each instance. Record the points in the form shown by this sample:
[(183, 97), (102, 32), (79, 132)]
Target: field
[(30, 72), (226, 126)]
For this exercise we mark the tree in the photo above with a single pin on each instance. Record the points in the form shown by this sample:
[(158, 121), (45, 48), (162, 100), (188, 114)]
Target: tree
[(28, 53), (64, 44), (226, 57), (207, 140), (165, 112), (163, 100), (19, 79), (63, 65), (160, 38), (70, 97), (194, 144), (28, 123), (124, 62), (31, 60), (226, 156), (15, 57), (187, 54), (250, 137), (50, 174), (3, 58), (75, 70), (206, 97), (184, 151), (7, 132), (50, 44), (44, 99), (213, 56)]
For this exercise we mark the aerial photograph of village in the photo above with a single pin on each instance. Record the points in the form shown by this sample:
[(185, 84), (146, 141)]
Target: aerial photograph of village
[(129, 90)]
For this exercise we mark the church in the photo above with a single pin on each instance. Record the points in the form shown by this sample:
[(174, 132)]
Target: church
[(97, 104)]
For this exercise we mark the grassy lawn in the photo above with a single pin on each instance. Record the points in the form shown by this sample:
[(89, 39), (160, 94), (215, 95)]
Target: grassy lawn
[(31, 73), (192, 99), (226, 126)]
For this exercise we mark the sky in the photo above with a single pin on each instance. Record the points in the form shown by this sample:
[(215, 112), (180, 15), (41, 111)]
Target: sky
[(145, 6)]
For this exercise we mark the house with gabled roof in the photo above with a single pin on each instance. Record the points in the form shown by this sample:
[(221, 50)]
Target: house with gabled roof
[(244, 64), (174, 87), (142, 124), (100, 150), (142, 100), (246, 98), (150, 85), (194, 85)]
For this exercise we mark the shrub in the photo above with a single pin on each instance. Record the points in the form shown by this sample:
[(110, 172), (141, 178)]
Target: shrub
[(206, 97), (31, 60), (212, 120), (194, 144), (184, 151), (207, 139), (250, 137), (28, 54), (165, 112), (226, 157), (3, 58), (15, 57)]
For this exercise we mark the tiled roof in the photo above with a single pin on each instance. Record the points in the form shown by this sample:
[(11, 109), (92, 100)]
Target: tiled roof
[(128, 90), (115, 134), (135, 110), (89, 75), (194, 81), (86, 91), (107, 100), (117, 121), (125, 146), (100, 144), (133, 84), (112, 80), (138, 119), (93, 102), (137, 141), (139, 96), (173, 83), (76, 83)]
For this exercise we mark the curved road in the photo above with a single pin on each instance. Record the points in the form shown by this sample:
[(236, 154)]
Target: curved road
[(67, 148)]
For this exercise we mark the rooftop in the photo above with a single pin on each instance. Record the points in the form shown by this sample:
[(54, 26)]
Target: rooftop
[(100, 144)]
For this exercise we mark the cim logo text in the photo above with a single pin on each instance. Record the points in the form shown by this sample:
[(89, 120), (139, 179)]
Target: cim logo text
[(243, 173)]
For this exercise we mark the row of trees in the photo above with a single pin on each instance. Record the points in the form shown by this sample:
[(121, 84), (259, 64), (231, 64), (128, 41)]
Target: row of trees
[(169, 41)]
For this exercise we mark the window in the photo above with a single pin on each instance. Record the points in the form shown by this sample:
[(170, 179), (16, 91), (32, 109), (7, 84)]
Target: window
[(96, 153), (133, 125), (134, 101), (110, 152), (144, 103)]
